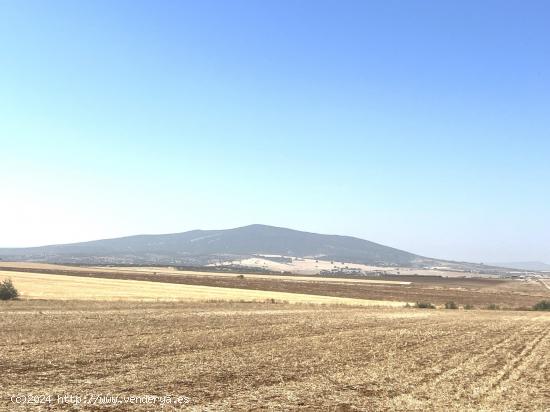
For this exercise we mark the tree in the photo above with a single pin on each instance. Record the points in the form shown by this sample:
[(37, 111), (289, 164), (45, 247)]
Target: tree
[(424, 305), (7, 290)]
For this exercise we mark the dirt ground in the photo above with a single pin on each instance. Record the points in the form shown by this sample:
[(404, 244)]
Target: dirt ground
[(237, 356)]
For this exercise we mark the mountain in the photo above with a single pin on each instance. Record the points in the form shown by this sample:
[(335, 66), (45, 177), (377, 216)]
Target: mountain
[(532, 266), (198, 247)]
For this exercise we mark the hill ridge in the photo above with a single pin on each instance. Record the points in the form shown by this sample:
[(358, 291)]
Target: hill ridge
[(205, 246)]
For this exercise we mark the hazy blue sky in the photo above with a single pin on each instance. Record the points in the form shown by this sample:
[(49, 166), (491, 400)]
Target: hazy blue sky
[(423, 125)]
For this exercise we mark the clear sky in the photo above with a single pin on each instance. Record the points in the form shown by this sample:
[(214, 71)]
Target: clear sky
[(423, 125)]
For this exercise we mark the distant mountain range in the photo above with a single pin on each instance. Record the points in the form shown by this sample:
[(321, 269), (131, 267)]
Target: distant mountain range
[(201, 247), (534, 266)]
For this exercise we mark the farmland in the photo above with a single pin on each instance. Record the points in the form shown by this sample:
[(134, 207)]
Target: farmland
[(254, 342), (61, 287), (478, 292), (242, 356)]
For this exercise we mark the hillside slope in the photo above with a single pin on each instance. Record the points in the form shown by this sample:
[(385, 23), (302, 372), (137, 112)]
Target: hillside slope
[(204, 246)]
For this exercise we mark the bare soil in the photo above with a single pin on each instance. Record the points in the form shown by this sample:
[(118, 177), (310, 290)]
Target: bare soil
[(235, 356)]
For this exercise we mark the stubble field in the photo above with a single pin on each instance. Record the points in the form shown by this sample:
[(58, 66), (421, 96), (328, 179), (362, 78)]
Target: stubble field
[(478, 292), (63, 287), (252, 356)]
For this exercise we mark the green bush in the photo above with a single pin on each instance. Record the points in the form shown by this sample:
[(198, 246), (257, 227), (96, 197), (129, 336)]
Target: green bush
[(542, 305), (493, 306), (424, 305), (468, 307), (7, 290), (451, 305)]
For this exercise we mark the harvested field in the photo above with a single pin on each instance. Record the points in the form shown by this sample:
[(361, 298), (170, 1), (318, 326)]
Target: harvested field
[(162, 271), (307, 266), (236, 356), (479, 292), (45, 286)]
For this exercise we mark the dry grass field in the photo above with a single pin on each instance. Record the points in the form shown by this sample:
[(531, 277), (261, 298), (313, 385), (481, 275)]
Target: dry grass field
[(47, 286), (479, 292), (252, 356)]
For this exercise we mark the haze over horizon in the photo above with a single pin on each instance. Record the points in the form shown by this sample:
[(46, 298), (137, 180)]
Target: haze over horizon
[(417, 125)]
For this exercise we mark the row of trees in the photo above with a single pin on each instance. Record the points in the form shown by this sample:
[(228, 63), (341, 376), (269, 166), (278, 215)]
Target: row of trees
[(542, 305)]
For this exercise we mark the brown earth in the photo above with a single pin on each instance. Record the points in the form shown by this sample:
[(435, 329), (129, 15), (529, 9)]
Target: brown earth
[(234, 356)]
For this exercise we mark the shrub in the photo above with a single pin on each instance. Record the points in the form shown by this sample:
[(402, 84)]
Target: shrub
[(424, 305), (451, 305), (493, 306), (240, 276), (468, 306), (7, 290), (542, 305)]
